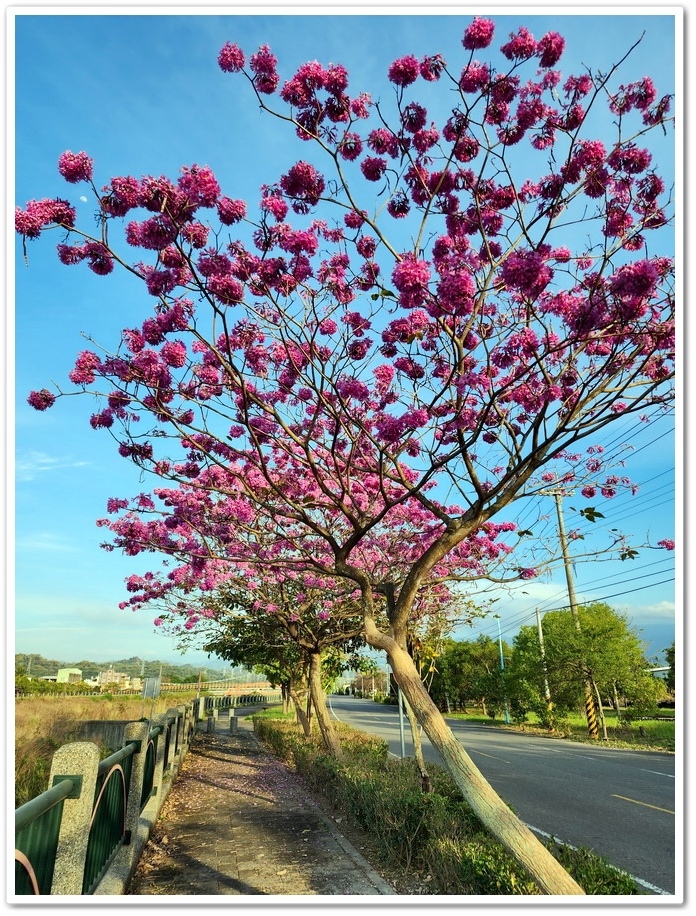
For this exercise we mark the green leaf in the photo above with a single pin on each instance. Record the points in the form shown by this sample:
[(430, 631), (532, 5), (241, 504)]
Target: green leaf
[(591, 514)]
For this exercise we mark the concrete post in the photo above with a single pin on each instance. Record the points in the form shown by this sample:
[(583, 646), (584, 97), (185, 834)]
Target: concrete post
[(184, 740), (212, 719), (171, 714), (81, 758), (135, 731), (158, 776)]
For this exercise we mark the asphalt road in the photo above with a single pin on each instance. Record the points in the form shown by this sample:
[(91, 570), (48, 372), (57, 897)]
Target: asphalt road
[(618, 803)]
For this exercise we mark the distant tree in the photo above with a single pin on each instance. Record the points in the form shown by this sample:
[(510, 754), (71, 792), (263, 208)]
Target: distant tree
[(468, 674), (606, 646), (671, 674)]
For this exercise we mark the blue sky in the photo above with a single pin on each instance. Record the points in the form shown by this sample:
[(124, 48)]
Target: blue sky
[(143, 94)]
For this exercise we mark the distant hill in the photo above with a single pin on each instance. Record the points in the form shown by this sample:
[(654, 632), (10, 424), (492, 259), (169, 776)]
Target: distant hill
[(38, 666)]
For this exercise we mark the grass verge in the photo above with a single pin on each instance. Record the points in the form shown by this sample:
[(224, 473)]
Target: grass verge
[(656, 733)]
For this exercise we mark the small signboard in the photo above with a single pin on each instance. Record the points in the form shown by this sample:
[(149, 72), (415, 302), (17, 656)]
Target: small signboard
[(151, 687)]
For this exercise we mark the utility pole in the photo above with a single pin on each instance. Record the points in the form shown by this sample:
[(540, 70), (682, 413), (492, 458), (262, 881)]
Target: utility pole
[(502, 671), (590, 705), (547, 691)]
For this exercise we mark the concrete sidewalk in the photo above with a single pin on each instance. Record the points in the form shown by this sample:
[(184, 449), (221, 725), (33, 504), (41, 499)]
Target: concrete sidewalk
[(238, 821)]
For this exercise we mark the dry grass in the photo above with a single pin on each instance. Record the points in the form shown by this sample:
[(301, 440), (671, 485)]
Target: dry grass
[(43, 724)]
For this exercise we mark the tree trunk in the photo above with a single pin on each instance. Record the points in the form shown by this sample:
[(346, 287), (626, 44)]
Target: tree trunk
[(418, 747), (300, 713), (600, 710), (492, 811), (328, 734), (617, 705)]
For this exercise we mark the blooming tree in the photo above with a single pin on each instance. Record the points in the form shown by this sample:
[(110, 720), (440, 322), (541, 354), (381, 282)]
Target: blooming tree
[(428, 318), (272, 619)]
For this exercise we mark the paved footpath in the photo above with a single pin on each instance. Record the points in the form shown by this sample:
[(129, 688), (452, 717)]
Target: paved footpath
[(238, 821)]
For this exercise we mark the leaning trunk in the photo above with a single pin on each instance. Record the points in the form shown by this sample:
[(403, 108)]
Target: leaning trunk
[(492, 811), (300, 713), (316, 691), (285, 696), (418, 747)]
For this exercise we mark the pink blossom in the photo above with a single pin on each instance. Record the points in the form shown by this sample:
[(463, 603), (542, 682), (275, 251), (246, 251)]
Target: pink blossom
[(75, 167), (86, 365), (410, 277), (354, 220), (328, 326), (526, 271), (384, 376), (666, 544), (263, 64), (360, 105), (41, 400), (474, 77), (196, 234), (304, 184), (383, 141), (100, 259), (432, 67), (350, 146), (373, 167), (398, 205), (121, 196), (200, 185), (479, 34), (521, 45), (230, 211), (174, 353), (529, 573), (102, 420), (550, 48), (40, 213), (231, 58), (629, 158), (404, 71), (414, 117)]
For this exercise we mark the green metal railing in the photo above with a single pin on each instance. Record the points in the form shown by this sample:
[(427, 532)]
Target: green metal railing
[(108, 827), (150, 763), (37, 826), (38, 822)]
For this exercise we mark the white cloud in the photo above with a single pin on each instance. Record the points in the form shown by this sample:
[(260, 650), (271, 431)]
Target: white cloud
[(660, 610), (42, 541), (30, 466)]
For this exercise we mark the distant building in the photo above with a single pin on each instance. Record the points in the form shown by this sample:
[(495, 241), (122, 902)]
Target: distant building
[(69, 676), (112, 677), (119, 679)]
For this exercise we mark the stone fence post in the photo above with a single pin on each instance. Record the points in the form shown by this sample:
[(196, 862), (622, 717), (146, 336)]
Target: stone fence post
[(79, 759), (135, 731), (158, 777)]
